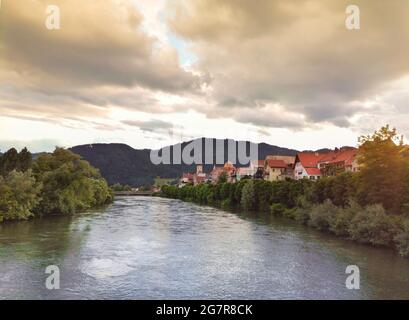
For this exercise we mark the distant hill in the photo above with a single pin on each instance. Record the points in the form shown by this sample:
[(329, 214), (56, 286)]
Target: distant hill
[(120, 163)]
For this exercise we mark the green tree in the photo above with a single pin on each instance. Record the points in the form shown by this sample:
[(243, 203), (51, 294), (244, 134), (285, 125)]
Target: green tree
[(222, 177), (382, 169), (9, 162), (19, 194), (24, 160), (248, 196), (69, 183)]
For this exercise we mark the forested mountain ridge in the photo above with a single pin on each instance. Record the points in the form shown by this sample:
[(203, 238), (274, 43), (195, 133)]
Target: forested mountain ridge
[(120, 163)]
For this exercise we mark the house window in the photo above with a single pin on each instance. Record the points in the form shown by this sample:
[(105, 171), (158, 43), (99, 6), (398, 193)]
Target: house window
[(312, 178)]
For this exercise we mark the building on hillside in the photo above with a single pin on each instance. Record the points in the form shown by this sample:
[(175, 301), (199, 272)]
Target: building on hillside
[(339, 161), (200, 177), (228, 168), (313, 165), (275, 170), (194, 178), (273, 166), (286, 159), (306, 165)]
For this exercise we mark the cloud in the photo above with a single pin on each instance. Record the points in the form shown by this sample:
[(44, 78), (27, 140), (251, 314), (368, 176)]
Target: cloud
[(99, 59), (99, 43), (274, 64), (150, 125), (298, 54), (40, 145)]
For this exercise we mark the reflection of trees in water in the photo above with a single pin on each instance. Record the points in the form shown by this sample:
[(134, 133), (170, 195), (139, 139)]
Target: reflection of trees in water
[(45, 240)]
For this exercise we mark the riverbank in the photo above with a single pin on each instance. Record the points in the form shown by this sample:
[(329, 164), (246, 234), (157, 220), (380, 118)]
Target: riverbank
[(295, 200), (158, 248)]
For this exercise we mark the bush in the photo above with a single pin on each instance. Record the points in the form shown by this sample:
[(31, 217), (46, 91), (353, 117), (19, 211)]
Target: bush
[(19, 194), (372, 225), (402, 239), (226, 204), (277, 209), (248, 196), (290, 213), (341, 223), (303, 209), (323, 215)]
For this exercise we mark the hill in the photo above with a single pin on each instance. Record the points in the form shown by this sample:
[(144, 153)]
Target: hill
[(120, 163)]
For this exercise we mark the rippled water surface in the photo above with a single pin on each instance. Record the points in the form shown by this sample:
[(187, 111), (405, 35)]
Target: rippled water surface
[(153, 248)]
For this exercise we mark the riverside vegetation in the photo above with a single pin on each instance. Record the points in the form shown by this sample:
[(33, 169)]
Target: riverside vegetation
[(60, 182), (370, 206)]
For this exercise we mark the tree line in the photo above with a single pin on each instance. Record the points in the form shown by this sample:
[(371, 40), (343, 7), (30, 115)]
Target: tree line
[(60, 182), (370, 206)]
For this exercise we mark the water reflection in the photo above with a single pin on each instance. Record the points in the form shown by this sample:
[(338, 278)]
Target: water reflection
[(159, 248)]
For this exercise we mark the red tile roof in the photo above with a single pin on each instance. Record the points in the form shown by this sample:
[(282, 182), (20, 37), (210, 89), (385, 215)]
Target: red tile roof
[(276, 163), (346, 156), (310, 159), (313, 171)]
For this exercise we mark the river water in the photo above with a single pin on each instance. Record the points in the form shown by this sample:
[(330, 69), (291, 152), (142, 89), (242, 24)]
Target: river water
[(154, 248)]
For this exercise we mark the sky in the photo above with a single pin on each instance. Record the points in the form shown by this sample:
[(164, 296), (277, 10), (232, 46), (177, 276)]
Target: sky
[(153, 73)]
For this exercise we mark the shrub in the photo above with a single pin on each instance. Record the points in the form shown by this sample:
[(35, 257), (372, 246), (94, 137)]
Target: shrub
[(342, 220), (290, 213), (226, 204), (402, 239), (19, 194), (277, 209), (322, 215), (248, 196), (372, 225)]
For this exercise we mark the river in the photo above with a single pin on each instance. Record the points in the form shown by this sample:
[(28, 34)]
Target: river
[(155, 248)]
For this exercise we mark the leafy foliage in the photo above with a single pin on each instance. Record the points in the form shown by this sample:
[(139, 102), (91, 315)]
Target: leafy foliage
[(69, 183), (60, 182), (382, 175), (19, 194)]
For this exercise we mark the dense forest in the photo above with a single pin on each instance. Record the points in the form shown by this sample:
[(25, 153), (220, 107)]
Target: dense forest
[(371, 206), (60, 182)]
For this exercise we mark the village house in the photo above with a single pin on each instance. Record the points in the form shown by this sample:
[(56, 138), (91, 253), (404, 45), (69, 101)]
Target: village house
[(339, 161), (274, 170), (228, 168), (200, 176), (313, 165), (306, 165), (278, 168), (194, 178)]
